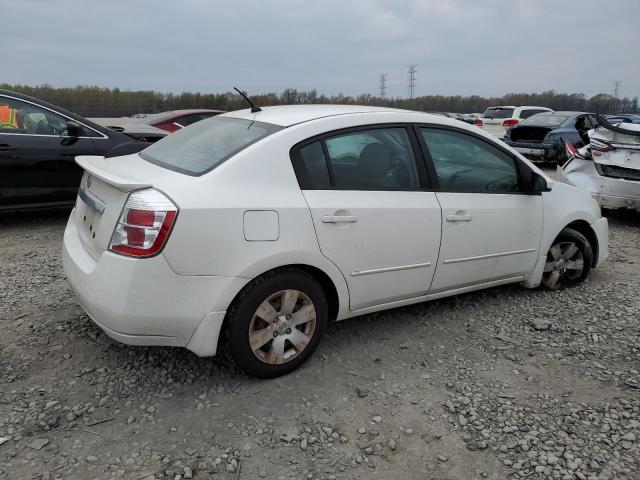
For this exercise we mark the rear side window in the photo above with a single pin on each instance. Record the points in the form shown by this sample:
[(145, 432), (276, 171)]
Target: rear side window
[(498, 112), (366, 159), (466, 164), (378, 159), (206, 144), (192, 118), (313, 172)]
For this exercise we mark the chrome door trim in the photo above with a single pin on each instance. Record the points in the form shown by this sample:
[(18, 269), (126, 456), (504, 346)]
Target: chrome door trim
[(102, 135), (390, 269), (491, 255)]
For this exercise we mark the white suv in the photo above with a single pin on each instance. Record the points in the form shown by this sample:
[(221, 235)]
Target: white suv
[(253, 230), (497, 120)]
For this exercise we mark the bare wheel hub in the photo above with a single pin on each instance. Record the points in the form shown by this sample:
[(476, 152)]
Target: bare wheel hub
[(282, 327)]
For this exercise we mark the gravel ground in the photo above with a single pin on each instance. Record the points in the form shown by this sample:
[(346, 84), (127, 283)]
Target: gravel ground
[(504, 383)]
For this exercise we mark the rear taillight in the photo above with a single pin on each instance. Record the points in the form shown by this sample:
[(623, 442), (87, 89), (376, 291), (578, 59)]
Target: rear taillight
[(598, 147), (479, 122), (509, 122), (571, 150), (144, 225)]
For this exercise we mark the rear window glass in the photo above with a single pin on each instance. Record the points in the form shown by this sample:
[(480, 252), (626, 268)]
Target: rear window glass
[(204, 145), (544, 120), (496, 112)]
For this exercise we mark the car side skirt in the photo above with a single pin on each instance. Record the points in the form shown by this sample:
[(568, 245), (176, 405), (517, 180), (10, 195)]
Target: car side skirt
[(432, 296)]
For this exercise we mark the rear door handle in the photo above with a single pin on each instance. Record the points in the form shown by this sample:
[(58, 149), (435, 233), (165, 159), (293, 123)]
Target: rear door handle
[(6, 148), (339, 218), (459, 217)]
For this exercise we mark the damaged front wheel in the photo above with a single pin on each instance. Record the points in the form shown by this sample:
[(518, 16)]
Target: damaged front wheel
[(569, 260)]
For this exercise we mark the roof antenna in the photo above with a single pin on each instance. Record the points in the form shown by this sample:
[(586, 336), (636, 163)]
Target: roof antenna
[(254, 108)]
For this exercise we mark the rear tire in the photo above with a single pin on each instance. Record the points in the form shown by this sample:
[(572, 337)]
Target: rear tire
[(276, 323), (569, 260)]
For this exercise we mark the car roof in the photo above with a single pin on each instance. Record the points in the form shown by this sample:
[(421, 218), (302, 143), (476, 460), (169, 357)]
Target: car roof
[(287, 115), (564, 113), (171, 114), (517, 106), (187, 111)]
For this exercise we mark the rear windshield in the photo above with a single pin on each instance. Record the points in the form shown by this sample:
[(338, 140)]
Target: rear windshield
[(545, 120), (203, 146), (497, 112)]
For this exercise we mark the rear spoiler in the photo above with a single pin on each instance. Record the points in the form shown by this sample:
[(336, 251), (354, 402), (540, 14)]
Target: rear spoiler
[(94, 165), (603, 122)]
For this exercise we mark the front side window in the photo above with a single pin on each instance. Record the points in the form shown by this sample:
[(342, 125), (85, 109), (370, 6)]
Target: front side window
[(466, 164), (376, 159), (206, 144), (24, 118)]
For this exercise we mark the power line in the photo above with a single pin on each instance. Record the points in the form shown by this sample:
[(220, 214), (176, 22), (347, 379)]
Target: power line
[(383, 85), (412, 79), (616, 88)]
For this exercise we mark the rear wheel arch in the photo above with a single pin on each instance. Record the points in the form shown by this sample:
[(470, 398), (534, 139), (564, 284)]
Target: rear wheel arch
[(328, 286), (585, 229)]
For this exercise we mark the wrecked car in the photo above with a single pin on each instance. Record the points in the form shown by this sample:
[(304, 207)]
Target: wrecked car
[(609, 166), (542, 137)]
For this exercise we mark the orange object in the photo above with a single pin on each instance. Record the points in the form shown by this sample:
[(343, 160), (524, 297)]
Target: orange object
[(8, 117)]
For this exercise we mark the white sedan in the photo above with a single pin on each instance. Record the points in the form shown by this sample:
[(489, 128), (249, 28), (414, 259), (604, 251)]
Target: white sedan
[(251, 231)]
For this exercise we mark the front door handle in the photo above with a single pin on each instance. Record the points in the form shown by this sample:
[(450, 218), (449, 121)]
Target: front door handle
[(459, 217), (339, 218), (6, 148)]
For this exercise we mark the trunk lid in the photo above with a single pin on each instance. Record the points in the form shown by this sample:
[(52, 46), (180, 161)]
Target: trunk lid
[(528, 134), (623, 161), (104, 190), (493, 118), (494, 126)]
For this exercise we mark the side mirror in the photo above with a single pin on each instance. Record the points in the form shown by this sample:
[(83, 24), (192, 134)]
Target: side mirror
[(74, 129), (537, 184)]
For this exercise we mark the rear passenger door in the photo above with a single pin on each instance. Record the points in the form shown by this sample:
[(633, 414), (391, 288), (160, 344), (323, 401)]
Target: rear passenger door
[(491, 229), (374, 215)]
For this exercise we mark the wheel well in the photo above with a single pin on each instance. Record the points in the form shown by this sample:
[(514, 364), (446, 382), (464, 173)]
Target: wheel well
[(322, 278), (585, 229), (327, 285)]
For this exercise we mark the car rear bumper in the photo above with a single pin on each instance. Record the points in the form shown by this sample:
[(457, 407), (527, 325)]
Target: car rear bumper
[(536, 151), (143, 301), (496, 131)]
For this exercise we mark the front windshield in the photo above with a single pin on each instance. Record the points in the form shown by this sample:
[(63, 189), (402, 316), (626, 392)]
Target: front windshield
[(545, 120), (201, 147)]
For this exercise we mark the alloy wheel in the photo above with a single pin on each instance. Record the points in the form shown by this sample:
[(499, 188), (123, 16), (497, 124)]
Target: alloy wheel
[(564, 265), (282, 327)]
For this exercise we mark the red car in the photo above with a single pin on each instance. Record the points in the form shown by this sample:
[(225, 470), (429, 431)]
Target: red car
[(177, 119)]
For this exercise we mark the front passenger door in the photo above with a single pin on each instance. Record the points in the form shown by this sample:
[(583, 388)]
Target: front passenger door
[(37, 160), (491, 229)]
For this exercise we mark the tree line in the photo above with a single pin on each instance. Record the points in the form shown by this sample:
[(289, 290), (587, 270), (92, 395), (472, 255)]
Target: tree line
[(113, 102)]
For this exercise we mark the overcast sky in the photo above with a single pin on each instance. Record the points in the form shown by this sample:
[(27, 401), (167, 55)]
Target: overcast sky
[(488, 47)]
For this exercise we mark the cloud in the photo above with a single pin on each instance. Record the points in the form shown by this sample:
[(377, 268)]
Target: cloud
[(461, 46)]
